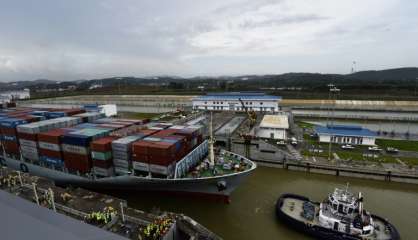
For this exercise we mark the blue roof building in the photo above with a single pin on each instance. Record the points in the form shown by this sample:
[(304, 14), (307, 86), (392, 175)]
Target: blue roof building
[(346, 134), (231, 101)]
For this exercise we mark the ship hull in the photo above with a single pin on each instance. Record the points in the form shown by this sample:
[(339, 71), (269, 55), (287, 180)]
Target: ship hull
[(218, 187), (320, 232)]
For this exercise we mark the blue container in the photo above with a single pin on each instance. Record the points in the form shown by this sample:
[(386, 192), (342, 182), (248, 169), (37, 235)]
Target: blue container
[(11, 122), (53, 161), (76, 139), (40, 113), (56, 114), (8, 138), (104, 120)]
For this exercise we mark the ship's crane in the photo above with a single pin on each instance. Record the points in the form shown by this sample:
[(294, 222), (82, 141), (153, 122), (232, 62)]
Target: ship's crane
[(252, 117)]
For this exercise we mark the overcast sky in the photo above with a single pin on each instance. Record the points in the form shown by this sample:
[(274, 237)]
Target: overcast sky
[(84, 39)]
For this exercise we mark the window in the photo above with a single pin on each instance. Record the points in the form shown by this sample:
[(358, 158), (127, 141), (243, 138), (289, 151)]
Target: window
[(261, 103), (213, 102), (246, 103), (206, 102), (251, 103)]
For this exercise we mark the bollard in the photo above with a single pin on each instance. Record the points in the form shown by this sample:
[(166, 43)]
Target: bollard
[(51, 194), (20, 178), (35, 193), (121, 212)]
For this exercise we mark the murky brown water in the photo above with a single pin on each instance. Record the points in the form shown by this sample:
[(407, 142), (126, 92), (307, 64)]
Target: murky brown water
[(251, 212)]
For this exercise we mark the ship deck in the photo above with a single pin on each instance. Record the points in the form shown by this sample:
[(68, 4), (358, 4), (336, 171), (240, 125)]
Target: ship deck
[(219, 170), (294, 207)]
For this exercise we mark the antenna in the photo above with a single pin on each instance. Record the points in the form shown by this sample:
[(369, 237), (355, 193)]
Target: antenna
[(353, 67)]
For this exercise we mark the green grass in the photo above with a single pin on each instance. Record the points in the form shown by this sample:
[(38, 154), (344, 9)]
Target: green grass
[(404, 145), (305, 125)]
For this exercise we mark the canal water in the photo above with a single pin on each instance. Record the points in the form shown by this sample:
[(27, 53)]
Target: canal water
[(251, 212)]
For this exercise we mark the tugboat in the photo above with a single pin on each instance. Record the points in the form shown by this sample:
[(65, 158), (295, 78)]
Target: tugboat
[(340, 216)]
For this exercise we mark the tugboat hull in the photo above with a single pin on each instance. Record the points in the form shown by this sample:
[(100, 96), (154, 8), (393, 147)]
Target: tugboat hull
[(320, 232)]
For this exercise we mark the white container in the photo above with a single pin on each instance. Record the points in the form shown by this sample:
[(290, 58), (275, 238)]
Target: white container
[(163, 170), (30, 156), (140, 166), (121, 171), (27, 149), (49, 146), (28, 143), (75, 149), (121, 163)]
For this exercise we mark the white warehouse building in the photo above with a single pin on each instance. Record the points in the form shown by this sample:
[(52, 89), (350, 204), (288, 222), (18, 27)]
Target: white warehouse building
[(343, 134), (230, 101), (274, 127)]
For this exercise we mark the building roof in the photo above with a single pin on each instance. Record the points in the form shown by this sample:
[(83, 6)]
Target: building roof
[(275, 121), (236, 95), (344, 130), (22, 219)]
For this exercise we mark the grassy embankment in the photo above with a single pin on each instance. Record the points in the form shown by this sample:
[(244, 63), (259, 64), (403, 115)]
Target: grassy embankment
[(357, 153)]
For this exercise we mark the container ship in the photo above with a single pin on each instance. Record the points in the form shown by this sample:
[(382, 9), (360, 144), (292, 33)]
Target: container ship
[(86, 149)]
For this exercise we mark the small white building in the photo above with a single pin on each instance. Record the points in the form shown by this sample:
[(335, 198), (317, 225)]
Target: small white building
[(230, 101), (343, 134), (274, 127), (9, 96)]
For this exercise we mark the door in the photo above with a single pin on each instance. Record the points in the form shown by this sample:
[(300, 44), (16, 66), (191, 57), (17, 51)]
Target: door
[(336, 226)]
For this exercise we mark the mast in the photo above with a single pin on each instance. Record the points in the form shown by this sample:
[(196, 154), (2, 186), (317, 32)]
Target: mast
[(360, 204), (211, 142)]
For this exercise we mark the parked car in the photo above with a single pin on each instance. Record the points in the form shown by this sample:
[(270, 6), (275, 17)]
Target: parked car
[(375, 149), (347, 146), (392, 150), (293, 141)]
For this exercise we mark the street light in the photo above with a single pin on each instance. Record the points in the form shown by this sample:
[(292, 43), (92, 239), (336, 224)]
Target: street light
[(332, 90)]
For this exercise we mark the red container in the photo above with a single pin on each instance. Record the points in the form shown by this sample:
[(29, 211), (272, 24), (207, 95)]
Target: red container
[(102, 164), (53, 136), (11, 147), (102, 144), (140, 147), (77, 162), (140, 158), (165, 133), (8, 131), (161, 160), (50, 153), (148, 132), (27, 136), (74, 111)]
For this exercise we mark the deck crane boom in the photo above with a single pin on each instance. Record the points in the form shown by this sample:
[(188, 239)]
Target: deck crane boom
[(252, 117)]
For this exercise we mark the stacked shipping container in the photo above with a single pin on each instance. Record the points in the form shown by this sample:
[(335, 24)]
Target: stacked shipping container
[(76, 148), (101, 153), (28, 134)]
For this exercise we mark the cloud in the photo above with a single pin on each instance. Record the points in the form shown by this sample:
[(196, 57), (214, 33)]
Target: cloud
[(66, 40)]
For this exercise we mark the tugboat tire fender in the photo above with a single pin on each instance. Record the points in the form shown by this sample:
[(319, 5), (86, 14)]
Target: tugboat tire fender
[(24, 168)]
